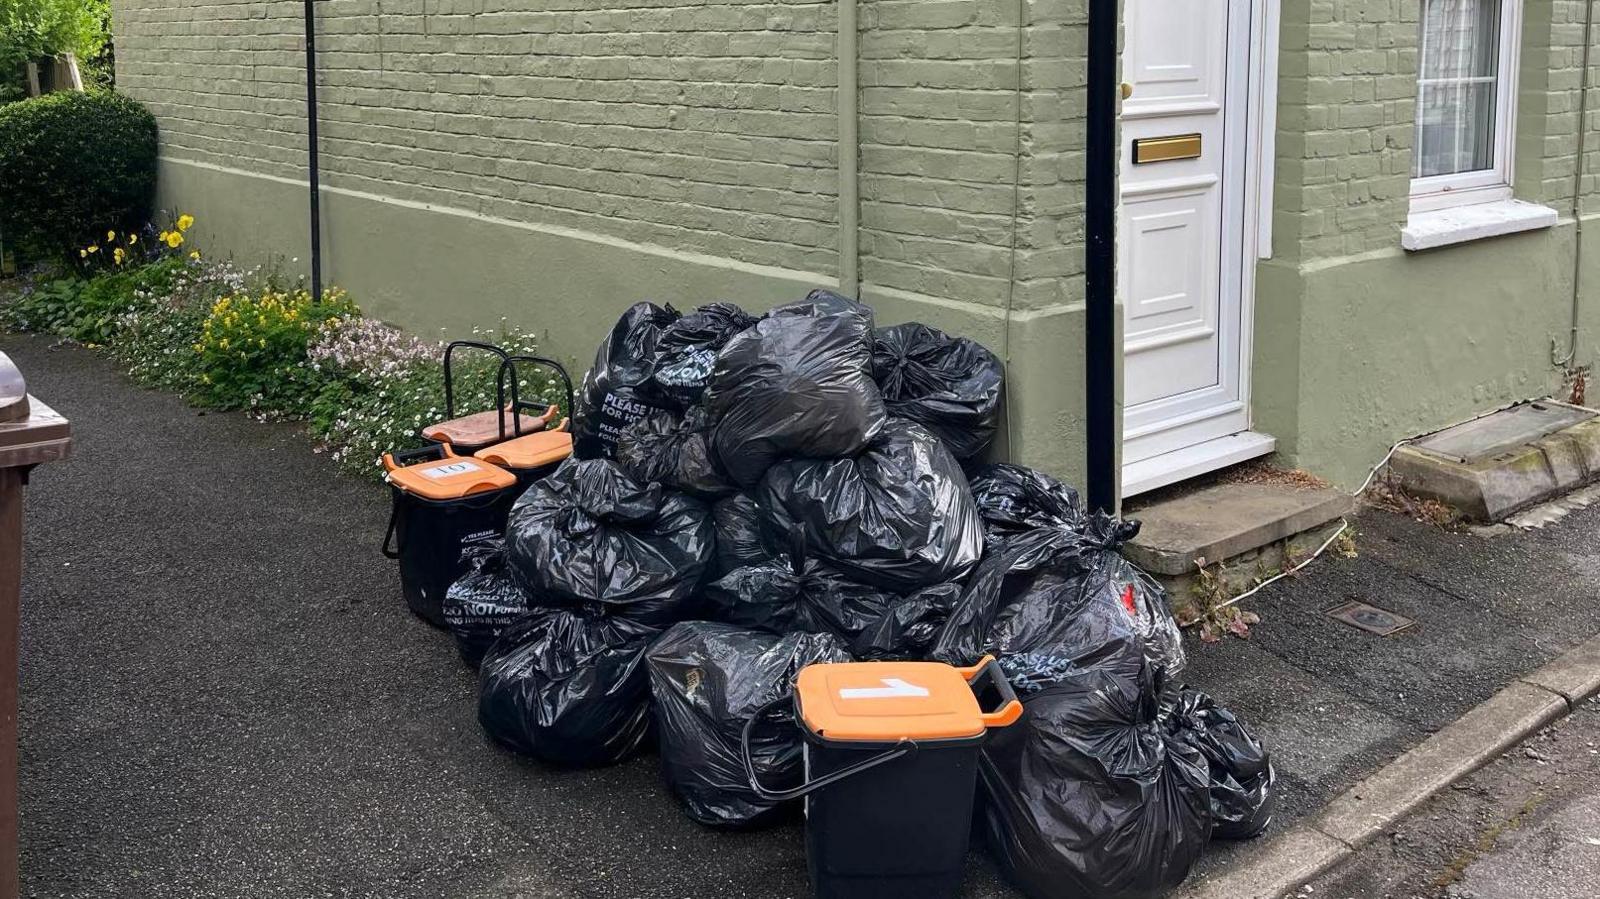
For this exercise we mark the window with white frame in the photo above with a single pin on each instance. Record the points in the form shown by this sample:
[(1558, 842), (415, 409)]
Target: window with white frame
[(1466, 102)]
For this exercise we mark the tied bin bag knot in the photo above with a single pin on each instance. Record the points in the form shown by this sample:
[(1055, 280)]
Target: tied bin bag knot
[(950, 385), (891, 756)]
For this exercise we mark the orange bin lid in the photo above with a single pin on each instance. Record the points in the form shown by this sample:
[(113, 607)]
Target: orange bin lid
[(884, 702), (451, 477), (480, 428), (530, 450)]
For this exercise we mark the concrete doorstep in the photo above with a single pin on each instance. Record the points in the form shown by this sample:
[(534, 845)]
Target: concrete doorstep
[(1285, 863)]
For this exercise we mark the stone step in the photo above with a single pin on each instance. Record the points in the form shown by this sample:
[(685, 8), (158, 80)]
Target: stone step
[(1225, 521)]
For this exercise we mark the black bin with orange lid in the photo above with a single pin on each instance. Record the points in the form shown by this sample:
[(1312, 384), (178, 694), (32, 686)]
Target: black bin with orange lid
[(441, 503), (891, 763)]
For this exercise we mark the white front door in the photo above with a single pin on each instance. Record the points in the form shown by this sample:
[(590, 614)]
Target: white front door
[(1182, 239)]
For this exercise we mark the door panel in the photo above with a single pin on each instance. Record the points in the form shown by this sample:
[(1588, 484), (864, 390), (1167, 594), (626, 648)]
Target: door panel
[(1180, 227)]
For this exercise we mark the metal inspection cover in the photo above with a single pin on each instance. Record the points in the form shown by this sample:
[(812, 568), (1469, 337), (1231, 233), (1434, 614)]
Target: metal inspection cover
[(1370, 618)]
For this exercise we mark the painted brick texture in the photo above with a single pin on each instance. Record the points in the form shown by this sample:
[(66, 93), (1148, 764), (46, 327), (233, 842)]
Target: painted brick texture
[(703, 127)]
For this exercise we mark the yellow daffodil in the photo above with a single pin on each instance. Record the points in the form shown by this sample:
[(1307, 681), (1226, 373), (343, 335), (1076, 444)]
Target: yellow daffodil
[(174, 239), (184, 221), (195, 255), (118, 255), (84, 254), (110, 236), (133, 239), (94, 248)]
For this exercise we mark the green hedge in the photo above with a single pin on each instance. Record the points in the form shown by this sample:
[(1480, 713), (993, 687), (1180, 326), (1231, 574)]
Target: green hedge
[(73, 165)]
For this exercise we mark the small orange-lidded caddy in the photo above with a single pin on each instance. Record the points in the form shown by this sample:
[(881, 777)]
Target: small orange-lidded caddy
[(531, 456), (442, 502), (891, 762)]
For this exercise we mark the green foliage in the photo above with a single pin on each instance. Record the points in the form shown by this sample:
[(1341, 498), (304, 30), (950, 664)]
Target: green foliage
[(248, 340), (71, 166), (252, 348), (31, 30)]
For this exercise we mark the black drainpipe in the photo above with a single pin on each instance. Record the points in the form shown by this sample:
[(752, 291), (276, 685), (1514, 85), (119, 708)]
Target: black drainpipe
[(1100, 261), (311, 151)]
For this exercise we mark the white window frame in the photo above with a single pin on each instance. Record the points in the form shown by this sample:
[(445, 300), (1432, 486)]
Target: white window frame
[(1494, 183)]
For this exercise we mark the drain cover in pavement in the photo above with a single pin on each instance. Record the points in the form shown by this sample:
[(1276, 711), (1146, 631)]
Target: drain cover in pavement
[(1370, 618)]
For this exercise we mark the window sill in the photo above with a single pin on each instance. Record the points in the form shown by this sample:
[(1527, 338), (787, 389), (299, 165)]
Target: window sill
[(1442, 227)]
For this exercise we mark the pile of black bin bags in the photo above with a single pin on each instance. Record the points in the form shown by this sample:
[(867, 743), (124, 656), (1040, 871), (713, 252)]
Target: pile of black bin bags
[(749, 496)]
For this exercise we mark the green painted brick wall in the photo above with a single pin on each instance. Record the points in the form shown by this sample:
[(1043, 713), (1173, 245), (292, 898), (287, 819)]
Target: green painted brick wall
[(684, 150)]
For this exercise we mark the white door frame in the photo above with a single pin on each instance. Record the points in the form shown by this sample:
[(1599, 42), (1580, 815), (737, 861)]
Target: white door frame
[(1252, 71)]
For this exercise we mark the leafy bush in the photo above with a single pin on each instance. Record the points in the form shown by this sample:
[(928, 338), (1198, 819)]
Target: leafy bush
[(246, 339), (35, 29), (252, 348), (71, 165)]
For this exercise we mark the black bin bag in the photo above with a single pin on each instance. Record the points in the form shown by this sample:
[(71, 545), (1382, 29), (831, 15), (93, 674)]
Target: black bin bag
[(950, 385), (708, 679), (794, 385), (589, 534), (740, 538), (1052, 600), (686, 352), (674, 450), (1084, 797), (484, 601), (1243, 781), (899, 515), (1014, 499), (616, 391), (791, 593), (568, 687)]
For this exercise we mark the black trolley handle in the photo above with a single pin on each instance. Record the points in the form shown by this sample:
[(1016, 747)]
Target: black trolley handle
[(402, 458), (509, 364), (449, 376), (903, 748)]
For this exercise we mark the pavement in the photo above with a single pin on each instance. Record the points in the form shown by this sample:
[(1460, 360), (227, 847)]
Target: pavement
[(223, 695), (1526, 825)]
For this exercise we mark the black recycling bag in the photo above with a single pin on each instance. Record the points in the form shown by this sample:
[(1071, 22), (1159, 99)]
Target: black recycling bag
[(821, 302), (673, 450), (686, 352), (589, 534), (950, 385), (1051, 601), (899, 515), (1085, 797), (793, 385), (567, 686), (616, 392), (740, 538), (484, 601), (784, 596), (1243, 781), (1012, 499), (708, 679)]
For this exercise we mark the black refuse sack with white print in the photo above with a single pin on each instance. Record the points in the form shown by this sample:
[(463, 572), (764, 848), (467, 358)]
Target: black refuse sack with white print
[(1085, 796), (568, 687), (589, 535), (796, 384), (708, 679), (1243, 781), (616, 391), (484, 601), (1051, 601), (950, 385), (1013, 499), (686, 352)]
